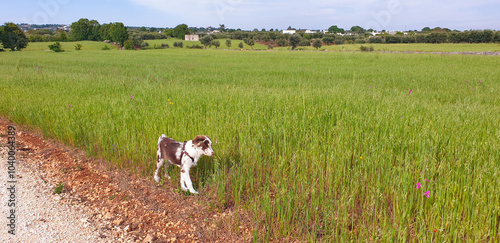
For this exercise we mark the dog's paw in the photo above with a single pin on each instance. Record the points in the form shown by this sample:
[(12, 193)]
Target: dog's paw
[(194, 192), (157, 179), (184, 188)]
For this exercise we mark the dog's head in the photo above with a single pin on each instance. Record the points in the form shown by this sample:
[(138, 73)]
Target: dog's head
[(203, 144)]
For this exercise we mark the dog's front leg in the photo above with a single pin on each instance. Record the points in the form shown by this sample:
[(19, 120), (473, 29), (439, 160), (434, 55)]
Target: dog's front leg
[(186, 179)]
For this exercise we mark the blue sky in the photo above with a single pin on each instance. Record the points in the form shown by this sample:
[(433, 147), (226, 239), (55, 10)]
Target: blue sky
[(250, 14)]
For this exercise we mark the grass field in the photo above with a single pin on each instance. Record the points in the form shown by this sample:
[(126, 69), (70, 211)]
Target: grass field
[(93, 46), (331, 146)]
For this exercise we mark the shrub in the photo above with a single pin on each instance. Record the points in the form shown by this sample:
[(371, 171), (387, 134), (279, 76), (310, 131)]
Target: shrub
[(305, 42), (179, 44), (281, 42), (194, 47), (216, 43), (228, 43), (78, 46), (56, 47), (105, 48), (59, 188), (270, 47), (328, 40), (129, 45), (240, 45), (366, 48), (161, 46)]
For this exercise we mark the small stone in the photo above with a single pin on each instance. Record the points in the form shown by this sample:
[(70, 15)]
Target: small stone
[(149, 239), (108, 215), (117, 222)]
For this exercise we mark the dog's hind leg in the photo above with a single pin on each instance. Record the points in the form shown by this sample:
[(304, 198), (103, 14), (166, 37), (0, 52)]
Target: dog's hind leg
[(159, 164), (166, 167)]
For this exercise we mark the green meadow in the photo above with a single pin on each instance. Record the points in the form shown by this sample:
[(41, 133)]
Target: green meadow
[(330, 146)]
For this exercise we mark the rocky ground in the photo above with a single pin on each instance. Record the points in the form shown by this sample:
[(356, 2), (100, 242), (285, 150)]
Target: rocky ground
[(100, 203)]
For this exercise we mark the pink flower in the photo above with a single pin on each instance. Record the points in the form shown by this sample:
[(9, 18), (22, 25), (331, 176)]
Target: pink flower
[(419, 185), (411, 90), (132, 97), (427, 194)]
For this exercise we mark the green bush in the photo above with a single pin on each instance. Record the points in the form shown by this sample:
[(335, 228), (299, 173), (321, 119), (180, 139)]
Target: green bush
[(179, 44), (194, 47), (366, 48), (105, 48), (56, 47), (129, 45), (78, 46)]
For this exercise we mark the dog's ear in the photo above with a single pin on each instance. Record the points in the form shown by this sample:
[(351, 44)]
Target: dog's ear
[(198, 139)]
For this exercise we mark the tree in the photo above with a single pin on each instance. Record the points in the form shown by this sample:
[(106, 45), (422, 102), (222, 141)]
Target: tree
[(240, 45), (119, 33), (294, 40), (250, 42), (13, 37), (216, 43), (105, 31), (222, 28), (180, 31), (80, 29), (281, 42), (426, 29), (206, 40), (63, 36), (228, 43), (317, 43), (334, 29), (328, 40), (357, 29), (93, 30)]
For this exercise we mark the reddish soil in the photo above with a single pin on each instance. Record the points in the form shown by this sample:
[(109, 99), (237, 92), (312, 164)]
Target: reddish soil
[(127, 199)]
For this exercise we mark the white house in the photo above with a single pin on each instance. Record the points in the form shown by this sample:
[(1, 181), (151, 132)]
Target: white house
[(291, 32), (192, 37), (309, 32)]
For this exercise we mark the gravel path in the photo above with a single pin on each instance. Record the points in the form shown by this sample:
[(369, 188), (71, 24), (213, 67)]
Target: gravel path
[(41, 215)]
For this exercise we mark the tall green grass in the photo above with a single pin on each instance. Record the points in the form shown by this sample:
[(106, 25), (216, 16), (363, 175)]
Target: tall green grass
[(316, 145)]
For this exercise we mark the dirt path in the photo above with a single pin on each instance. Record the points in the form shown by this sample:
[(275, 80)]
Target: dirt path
[(100, 203)]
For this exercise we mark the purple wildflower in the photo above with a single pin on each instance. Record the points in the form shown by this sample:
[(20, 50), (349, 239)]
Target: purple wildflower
[(419, 185), (132, 97), (427, 194)]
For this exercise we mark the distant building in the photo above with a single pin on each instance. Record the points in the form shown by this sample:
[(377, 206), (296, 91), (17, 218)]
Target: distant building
[(291, 32), (309, 32), (192, 37)]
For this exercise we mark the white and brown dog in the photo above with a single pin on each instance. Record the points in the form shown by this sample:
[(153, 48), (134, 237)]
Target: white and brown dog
[(185, 155)]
